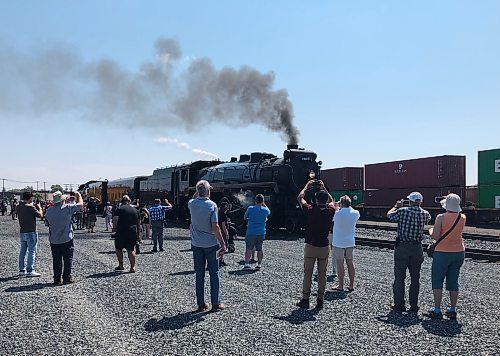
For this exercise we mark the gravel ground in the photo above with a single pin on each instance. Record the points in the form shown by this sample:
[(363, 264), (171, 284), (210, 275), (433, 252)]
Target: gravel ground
[(149, 312)]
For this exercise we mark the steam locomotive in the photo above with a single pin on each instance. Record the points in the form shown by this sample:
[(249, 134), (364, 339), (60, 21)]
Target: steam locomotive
[(236, 182)]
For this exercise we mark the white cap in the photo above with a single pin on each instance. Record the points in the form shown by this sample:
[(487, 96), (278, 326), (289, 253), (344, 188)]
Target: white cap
[(414, 196), (451, 203)]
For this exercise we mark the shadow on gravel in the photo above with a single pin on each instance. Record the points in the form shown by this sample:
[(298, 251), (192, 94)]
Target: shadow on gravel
[(241, 272), (402, 320), (299, 316), (175, 322), (331, 295), (182, 273), (29, 287), (186, 250), (446, 328), (105, 274), (13, 278), (107, 252)]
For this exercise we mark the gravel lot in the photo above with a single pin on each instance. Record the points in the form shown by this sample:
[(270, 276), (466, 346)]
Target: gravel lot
[(149, 313)]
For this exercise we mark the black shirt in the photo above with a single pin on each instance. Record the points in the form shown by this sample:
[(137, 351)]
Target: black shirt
[(128, 217), (92, 207)]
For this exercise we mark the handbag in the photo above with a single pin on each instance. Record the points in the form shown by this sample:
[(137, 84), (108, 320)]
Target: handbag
[(432, 246)]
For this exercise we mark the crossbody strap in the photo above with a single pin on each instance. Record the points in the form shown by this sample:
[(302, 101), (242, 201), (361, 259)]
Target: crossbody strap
[(449, 231)]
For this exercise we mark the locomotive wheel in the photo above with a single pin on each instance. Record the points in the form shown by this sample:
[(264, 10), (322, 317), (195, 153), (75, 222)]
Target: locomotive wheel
[(290, 225)]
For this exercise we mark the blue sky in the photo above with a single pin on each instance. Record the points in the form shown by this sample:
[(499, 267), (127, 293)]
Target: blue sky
[(370, 81)]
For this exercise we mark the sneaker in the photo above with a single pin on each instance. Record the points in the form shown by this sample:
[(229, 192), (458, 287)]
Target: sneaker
[(253, 260), (258, 267), (161, 249), (202, 308), (132, 270), (247, 268), (451, 314), (218, 307), (22, 273), (154, 250), (119, 268), (33, 274), (69, 281), (319, 304), (304, 304), (433, 315), (398, 308), (57, 282)]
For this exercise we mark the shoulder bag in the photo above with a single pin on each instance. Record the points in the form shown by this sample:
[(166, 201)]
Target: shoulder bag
[(432, 246)]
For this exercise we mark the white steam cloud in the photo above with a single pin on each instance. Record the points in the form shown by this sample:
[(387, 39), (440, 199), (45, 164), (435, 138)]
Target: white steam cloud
[(185, 146)]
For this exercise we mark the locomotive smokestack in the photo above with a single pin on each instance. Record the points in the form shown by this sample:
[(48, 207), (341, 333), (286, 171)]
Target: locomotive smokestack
[(292, 147)]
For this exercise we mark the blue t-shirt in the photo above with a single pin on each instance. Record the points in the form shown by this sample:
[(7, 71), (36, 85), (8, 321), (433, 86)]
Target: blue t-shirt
[(257, 217), (203, 215)]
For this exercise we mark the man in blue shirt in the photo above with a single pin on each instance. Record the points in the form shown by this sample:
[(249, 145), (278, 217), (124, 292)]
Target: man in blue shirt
[(256, 230), (207, 244), (157, 215)]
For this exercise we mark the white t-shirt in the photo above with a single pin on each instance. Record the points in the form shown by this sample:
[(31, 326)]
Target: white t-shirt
[(344, 227)]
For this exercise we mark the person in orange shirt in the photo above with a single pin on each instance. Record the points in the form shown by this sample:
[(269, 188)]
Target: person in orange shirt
[(449, 255)]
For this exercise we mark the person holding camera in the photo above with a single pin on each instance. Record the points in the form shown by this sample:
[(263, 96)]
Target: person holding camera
[(316, 250), (256, 215), (408, 253), (448, 256), (58, 218), (27, 213), (157, 216)]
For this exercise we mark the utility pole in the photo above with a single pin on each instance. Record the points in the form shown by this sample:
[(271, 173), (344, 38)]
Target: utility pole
[(3, 188), (45, 191), (37, 186)]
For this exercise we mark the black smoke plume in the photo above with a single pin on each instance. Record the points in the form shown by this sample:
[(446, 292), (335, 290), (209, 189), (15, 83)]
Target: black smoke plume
[(167, 91)]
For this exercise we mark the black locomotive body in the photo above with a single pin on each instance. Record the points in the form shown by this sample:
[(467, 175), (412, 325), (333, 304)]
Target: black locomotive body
[(279, 179)]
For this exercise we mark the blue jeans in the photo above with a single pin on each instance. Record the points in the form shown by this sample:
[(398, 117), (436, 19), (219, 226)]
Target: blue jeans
[(206, 257), (29, 242)]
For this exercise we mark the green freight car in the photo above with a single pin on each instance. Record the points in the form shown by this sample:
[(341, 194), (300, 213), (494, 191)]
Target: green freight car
[(355, 195), (489, 167), (489, 196)]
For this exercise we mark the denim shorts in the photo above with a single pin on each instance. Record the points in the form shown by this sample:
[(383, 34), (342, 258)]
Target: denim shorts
[(446, 265), (254, 242)]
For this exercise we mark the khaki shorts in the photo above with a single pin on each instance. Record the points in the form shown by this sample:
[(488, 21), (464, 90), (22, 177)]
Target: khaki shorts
[(340, 253)]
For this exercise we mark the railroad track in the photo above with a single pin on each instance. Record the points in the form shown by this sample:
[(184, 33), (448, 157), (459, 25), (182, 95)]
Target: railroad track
[(473, 253), (465, 235)]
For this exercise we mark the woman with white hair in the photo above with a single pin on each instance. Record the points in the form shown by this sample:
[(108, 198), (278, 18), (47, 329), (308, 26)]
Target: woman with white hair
[(448, 256)]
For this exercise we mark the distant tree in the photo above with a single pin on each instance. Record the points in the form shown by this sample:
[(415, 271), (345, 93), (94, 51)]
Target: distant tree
[(55, 188), (38, 196), (28, 188)]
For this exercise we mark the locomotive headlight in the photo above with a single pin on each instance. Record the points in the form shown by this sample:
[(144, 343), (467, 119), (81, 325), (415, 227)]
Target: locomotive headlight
[(312, 174)]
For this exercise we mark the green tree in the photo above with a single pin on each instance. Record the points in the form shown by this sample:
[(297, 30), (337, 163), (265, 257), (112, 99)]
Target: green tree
[(28, 188), (55, 188)]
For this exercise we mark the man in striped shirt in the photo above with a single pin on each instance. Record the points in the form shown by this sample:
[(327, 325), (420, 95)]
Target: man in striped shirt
[(157, 215), (408, 253)]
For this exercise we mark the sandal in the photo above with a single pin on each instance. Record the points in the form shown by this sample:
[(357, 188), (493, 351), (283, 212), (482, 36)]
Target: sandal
[(349, 289), (337, 289)]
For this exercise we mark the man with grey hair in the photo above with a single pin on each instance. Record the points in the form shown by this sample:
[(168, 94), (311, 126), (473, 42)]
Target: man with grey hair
[(207, 245), (408, 252), (58, 217), (126, 224)]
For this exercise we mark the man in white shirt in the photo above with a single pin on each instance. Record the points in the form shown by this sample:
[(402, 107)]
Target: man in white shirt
[(343, 241)]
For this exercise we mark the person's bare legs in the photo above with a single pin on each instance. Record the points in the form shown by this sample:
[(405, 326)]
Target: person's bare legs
[(260, 256), (453, 298), (351, 271), (438, 296), (340, 273), (131, 258), (119, 255)]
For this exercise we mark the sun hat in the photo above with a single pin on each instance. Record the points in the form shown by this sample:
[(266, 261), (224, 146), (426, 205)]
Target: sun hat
[(414, 196), (451, 203), (57, 197)]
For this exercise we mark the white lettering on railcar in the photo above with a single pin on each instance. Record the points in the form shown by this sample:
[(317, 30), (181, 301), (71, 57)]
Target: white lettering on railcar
[(497, 166)]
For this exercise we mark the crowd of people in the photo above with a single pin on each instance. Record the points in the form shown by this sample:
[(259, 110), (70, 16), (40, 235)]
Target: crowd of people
[(330, 231)]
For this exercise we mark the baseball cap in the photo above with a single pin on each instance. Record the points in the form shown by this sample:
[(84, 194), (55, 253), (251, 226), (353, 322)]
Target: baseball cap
[(414, 196), (57, 197)]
